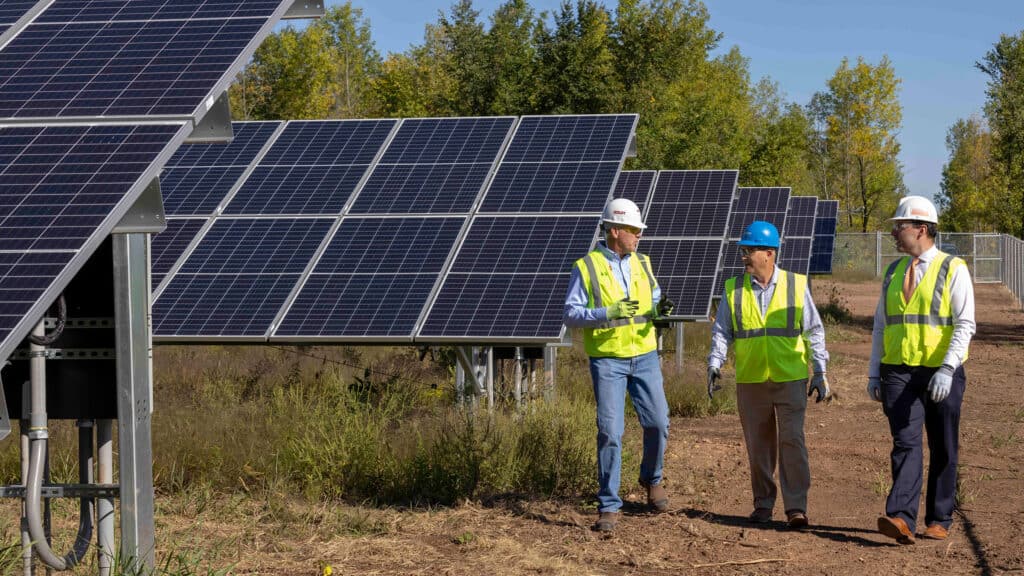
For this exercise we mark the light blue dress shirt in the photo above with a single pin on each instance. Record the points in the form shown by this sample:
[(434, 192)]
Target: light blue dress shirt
[(576, 314), (814, 330)]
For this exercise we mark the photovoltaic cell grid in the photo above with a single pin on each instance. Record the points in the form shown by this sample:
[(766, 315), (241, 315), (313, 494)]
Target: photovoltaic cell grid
[(687, 222), (824, 237), (768, 204), (565, 164), (373, 279), (635, 185), (166, 247), (138, 63), (199, 176), (509, 279), (312, 168), (434, 166), (795, 254), (58, 188), (238, 277)]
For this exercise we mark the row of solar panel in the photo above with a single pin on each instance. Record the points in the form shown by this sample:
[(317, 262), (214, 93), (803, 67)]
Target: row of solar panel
[(382, 229)]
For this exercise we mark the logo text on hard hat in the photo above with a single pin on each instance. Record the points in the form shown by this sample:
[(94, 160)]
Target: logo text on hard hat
[(918, 212)]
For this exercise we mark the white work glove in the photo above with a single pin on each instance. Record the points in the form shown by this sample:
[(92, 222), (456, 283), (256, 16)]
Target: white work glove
[(713, 375), (875, 388), (941, 382), (819, 384)]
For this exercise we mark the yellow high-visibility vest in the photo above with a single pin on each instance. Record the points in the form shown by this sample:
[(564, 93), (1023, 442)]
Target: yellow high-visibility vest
[(769, 347), (918, 332), (624, 337)]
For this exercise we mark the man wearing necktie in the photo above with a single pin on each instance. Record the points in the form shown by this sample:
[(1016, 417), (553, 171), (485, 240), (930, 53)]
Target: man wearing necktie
[(923, 327)]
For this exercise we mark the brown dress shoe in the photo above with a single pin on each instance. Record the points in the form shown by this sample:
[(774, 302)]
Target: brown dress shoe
[(761, 515), (606, 522), (796, 519), (935, 532), (896, 529), (657, 497)]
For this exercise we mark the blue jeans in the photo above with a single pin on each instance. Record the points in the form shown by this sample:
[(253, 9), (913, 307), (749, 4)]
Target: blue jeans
[(641, 377)]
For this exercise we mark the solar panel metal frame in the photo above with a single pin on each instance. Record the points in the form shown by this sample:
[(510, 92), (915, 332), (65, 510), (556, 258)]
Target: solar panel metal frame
[(197, 114), (35, 312), (722, 240), (478, 211)]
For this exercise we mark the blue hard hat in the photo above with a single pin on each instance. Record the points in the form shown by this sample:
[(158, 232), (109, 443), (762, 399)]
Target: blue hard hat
[(760, 233)]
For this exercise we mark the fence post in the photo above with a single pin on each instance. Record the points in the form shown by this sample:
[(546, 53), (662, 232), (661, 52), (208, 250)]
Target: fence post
[(878, 254)]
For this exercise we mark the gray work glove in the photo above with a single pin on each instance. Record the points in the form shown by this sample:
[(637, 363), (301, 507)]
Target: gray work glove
[(941, 382), (713, 375), (624, 308), (875, 388), (665, 307), (819, 384)]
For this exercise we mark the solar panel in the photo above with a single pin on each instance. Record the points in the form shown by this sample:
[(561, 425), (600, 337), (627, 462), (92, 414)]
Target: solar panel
[(824, 237), (237, 278), (311, 168), (62, 190), (166, 247), (768, 204), (434, 165), (199, 176), (126, 58), (375, 287), (508, 279), (687, 220), (635, 185), (795, 253), (562, 164)]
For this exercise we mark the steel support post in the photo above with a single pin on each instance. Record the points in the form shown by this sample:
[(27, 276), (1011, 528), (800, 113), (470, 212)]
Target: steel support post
[(550, 355), (679, 346), (134, 397)]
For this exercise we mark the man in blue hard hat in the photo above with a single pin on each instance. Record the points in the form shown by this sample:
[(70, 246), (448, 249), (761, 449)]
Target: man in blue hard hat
[(614, 298), (770, 317)]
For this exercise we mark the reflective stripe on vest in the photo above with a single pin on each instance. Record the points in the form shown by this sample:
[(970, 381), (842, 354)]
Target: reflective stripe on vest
[(769, 347), (918, 332), (622, 337)]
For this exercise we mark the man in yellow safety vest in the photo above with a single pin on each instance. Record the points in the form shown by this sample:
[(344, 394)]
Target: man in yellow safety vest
[(611, 297), (923, 326), (769, 315)]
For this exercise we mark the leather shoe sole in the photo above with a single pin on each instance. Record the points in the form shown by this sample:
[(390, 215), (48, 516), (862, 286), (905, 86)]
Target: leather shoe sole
[(896, 529)]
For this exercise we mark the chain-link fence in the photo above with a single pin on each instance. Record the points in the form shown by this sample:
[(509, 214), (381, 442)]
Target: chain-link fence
[(991, 258)]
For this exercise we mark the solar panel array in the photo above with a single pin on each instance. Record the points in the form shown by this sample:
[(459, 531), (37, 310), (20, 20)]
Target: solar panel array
[(687, 220), (409, 249), (825, 223), (755, 203), (795, 254), (133, 78), (635, 185)]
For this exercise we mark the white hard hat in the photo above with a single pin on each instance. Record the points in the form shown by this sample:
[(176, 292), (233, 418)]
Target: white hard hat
[(916, 208), (622, 212)]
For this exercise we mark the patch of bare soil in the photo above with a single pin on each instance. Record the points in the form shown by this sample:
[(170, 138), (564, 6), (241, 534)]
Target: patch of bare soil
[(705, 532)]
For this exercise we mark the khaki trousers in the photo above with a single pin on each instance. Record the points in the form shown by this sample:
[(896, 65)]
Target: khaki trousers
[(772, 415)]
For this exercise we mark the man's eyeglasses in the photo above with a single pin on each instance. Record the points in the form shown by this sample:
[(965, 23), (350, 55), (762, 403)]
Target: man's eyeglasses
[(631, 229), (748, 250), (898, 226)]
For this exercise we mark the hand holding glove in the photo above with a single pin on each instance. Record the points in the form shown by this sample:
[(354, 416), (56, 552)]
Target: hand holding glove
[(875, 388), (819, 384), (665, 307), (713, 375), (941, 382), (624, 308)]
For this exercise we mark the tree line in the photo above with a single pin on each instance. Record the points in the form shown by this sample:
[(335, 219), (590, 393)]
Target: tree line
[(699, 107)]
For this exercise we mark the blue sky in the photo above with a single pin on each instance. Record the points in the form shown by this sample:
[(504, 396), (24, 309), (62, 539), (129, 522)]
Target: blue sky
[(932, 44)]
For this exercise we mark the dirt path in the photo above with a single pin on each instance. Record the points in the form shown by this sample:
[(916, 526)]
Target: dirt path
[(706, 532)]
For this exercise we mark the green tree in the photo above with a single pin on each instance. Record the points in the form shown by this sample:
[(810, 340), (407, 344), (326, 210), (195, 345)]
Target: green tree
[(466, 61), (779, 148), (417, 83), (973, 188), (862, 115), (356, 60), (577, 66), (1004, 110), (512, 56)]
